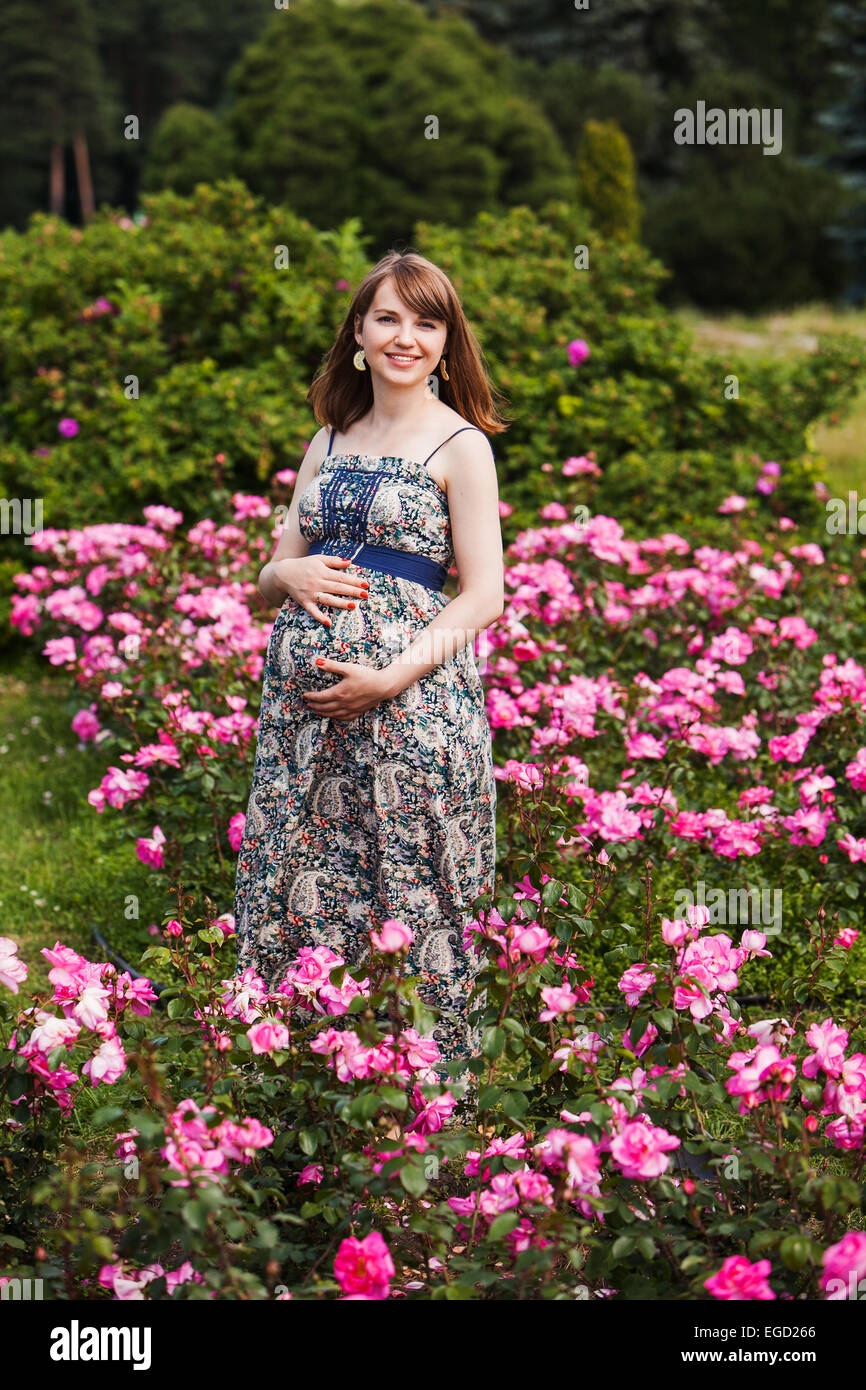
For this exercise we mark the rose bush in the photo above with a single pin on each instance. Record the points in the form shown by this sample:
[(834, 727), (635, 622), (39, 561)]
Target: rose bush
[(663, 716), (256, 1143), (700, 708)]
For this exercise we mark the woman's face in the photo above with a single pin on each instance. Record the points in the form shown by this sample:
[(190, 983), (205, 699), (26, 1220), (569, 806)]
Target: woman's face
[(398, 343)]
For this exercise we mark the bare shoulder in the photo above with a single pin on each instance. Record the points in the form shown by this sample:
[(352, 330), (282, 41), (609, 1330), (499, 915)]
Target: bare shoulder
[(316, 451), (467, 455)]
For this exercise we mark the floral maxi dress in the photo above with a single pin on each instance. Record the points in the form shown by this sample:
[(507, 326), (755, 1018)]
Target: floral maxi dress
[(393, 813)]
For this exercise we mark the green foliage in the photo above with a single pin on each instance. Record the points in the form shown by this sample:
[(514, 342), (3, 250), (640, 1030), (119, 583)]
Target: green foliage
[(573, 93), (378, 107), (606, 178), (190, 146), (648, 408), (195, 378), (751, 233)]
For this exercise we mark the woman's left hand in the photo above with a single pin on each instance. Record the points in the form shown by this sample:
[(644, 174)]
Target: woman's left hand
[(361, 688)]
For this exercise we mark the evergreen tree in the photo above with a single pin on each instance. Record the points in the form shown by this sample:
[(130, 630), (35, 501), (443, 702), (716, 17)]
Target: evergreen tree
[(53, 110), (377, 110), (845, 119), (190, 146), (666, 39), (606, 179)]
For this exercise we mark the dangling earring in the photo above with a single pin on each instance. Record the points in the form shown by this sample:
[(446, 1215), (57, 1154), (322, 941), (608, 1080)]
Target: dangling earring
[(358, 360), (443, 367)]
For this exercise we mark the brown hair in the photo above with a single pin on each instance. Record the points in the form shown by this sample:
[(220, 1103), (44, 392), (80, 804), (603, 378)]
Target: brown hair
[(340, 394)]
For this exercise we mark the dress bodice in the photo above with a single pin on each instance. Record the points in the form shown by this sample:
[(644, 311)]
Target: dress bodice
[(367, 499)]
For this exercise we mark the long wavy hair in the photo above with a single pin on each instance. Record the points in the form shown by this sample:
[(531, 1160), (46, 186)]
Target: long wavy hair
[(340, 394)]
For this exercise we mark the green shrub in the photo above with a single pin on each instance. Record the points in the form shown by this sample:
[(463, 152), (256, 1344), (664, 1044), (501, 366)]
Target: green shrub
[(606, 175), (206, 349)]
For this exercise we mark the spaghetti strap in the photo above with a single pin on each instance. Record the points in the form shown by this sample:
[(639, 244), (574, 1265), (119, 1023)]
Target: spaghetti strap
[(450, 437), (331, 442)]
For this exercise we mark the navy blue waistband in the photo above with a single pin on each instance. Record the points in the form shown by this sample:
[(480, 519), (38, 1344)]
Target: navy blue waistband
[(401, 563)]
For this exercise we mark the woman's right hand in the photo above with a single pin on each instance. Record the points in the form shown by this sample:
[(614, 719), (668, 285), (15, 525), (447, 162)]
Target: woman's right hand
[(312, 580)]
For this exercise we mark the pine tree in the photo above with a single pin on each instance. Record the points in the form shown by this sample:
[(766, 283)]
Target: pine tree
[(846, 120), (52, 99)]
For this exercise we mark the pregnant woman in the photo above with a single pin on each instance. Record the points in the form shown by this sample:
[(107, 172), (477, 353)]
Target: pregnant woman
[(373, 793)]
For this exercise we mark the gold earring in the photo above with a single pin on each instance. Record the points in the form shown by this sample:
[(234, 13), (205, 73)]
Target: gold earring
[(358, 360), (443, 367)]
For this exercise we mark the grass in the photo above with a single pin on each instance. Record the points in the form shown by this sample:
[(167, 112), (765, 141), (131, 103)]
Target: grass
[(63, 867), (786, 335)]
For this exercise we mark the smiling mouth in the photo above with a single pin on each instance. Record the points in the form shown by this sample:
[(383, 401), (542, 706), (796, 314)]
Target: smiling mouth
[(402, 358)]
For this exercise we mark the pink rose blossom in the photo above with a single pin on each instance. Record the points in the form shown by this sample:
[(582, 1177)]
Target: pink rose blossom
[(236, 830), (739, 1280), (268, 1036), (393, 936), (149, 851), (641, 1150), (845, 1267), (13, 972), (363, 1268)]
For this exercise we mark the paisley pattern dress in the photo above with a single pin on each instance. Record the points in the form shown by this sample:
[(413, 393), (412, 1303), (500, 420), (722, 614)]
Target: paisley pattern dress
[(391, 814)]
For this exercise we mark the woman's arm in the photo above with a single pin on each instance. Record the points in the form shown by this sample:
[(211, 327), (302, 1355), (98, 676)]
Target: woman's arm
[(291, 544), (473, 501)]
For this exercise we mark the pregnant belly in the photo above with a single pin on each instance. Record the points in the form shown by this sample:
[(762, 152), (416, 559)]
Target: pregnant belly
[(298, 639)]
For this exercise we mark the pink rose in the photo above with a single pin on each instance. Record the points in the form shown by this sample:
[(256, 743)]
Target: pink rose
[(739, 1280), (844, 1267), (149, 851), (13, 971), (268, 1036), (236, 830), (641, 1150), (635, 982), (85, 725), (108, 1064), (363, 1268), (392, 937)]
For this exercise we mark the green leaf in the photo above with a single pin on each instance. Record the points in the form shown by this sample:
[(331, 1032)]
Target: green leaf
[(106, 1115), (307, 1142), (503, 1224), (551, 893), (515, 1106), (413, 1179), (267, 1235), (514, 1026), (488, 1097), (493, 1042)]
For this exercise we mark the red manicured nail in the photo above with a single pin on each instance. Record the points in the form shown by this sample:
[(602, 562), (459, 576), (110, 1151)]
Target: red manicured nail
[(350, 605), (320, 661)]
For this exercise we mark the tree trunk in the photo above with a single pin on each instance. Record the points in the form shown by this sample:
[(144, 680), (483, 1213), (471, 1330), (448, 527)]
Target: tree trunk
[(57, 179), (82, 169)]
